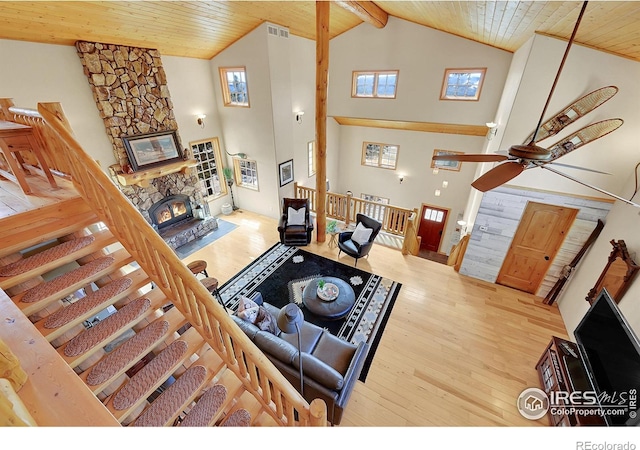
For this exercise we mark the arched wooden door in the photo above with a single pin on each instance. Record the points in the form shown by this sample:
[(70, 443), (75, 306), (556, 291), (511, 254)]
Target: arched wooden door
[(432, 224)]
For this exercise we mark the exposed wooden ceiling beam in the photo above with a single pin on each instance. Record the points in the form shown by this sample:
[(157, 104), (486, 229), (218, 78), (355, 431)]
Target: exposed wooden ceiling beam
[(367, 11), (429, 127)]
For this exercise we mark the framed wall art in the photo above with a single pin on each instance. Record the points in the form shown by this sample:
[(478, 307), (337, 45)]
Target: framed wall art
[(286, 172), (152, 149)]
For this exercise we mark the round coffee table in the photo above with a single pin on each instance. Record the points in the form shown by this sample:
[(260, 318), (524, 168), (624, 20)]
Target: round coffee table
[(334, 309)]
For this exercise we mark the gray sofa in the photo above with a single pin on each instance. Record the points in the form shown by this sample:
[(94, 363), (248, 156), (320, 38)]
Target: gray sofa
[(330, 365)]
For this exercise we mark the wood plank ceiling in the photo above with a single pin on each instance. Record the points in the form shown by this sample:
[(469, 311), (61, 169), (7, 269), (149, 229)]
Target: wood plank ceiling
[(201, 29)]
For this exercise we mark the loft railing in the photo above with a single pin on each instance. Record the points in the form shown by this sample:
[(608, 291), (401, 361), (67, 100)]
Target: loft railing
[(192, 299), (345, 207)]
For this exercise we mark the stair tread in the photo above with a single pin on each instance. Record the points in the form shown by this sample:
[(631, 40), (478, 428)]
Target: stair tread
[(170, 403), (49, 255), (130, 351), (206, 407), (87, 303), (107, 327), (147, 377), (238, 418)]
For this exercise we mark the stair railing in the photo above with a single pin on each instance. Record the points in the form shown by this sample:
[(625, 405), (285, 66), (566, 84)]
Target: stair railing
[(258, 375)]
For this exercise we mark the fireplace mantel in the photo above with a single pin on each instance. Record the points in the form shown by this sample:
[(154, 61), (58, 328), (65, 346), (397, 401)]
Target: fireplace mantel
[(143, 177)]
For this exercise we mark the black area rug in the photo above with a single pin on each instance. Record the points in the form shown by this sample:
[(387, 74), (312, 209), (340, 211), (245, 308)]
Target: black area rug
[(282, 272)]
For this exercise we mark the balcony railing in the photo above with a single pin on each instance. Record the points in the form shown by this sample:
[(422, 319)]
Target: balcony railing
[(344, 207)]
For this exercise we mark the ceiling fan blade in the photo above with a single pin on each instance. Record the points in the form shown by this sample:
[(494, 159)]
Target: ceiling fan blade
[(583, 136), (573, 112), (480, 157), (575, 167), (617, 197), (498, 175), (555, 82)]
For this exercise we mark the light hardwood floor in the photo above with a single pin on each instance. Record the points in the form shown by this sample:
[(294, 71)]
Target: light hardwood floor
[(455, 352)]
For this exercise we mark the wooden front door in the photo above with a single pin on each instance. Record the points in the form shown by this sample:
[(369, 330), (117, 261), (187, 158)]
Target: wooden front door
[(538, 238), (432, 223)]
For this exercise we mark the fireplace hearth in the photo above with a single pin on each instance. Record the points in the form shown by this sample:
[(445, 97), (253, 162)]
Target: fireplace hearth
[(173, 218)]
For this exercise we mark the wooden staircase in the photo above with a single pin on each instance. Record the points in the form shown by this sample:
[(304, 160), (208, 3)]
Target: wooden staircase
[(120, 309)]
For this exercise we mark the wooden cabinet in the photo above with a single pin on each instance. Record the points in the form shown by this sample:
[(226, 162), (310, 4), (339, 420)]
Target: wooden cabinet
[(560, 369)]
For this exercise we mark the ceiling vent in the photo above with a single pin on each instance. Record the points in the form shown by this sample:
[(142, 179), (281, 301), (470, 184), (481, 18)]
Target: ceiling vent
[(272, 30)]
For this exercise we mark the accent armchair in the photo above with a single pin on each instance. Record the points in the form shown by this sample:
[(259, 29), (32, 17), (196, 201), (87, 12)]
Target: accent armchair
[(295, 225), (358, 243)]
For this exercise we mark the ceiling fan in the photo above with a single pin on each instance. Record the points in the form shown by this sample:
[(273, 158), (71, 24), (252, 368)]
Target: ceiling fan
[(530, 155)]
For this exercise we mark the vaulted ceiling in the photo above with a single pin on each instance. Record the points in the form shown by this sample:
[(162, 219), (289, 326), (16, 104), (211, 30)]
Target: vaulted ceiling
[(201, 29)]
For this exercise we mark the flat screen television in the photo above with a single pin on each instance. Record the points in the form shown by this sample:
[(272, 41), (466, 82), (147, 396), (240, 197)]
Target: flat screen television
[(610, 351)]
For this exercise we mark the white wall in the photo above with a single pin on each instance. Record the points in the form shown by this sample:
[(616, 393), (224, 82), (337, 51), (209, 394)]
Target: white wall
[(421, 66), (54, 73), (585, 70), (621, 223)]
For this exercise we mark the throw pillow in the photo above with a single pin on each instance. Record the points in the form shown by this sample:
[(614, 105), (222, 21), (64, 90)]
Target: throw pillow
[(265, 321), (247, 310), (361, 234), (251, 312), (296, 216)]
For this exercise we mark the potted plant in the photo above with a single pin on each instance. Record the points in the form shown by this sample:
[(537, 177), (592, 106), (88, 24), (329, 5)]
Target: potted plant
[(228, 175), (321, 284), (332, 227)]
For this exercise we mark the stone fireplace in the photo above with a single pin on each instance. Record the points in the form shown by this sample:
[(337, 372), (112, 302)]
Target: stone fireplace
[(131, 93)]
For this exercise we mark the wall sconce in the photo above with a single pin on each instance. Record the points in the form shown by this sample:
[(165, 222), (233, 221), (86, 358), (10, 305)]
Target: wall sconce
[(200, 119), (401, 178), (445, 184), (463, 226), (299, 115), (435, 171), (493, 129), (437, 193)]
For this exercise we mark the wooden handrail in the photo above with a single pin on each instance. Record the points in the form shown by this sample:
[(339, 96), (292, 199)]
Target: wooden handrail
[(344, 207), (258, 375)]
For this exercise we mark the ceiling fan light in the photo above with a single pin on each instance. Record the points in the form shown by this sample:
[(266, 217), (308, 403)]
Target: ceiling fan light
[(530, 152)]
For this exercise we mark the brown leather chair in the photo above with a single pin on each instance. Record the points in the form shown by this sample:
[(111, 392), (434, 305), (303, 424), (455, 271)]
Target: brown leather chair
[(295, 232), (359, 249)]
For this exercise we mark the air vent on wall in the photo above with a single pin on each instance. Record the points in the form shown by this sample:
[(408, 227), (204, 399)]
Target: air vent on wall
[(275, 30)]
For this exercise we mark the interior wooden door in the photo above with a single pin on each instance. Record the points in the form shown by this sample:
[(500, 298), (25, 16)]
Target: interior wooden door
[(538, 238), (432, 223)]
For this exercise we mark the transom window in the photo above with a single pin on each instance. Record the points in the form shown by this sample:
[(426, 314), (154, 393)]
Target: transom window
[(311, 154), (462, 84), (246, 173), (433, 215), (209, 168), (234, 86), (379, 155), (375, 84)]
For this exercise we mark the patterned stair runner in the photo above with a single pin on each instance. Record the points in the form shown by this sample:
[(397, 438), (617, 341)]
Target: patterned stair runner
[(239, 418), (66, 280), (107, 327), (149, 375), (85, 304), (169, 403), (45, 257), (206, 407), (130, 351)]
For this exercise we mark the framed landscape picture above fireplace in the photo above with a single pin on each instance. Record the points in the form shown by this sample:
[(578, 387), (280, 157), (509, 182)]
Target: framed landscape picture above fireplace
[(152, 149)]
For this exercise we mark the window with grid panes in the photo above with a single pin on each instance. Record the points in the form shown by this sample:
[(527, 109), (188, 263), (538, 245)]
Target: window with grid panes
[(462, 84), (379, 155), (374, 84), (234, 86), (209, 168), (246, 172)]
